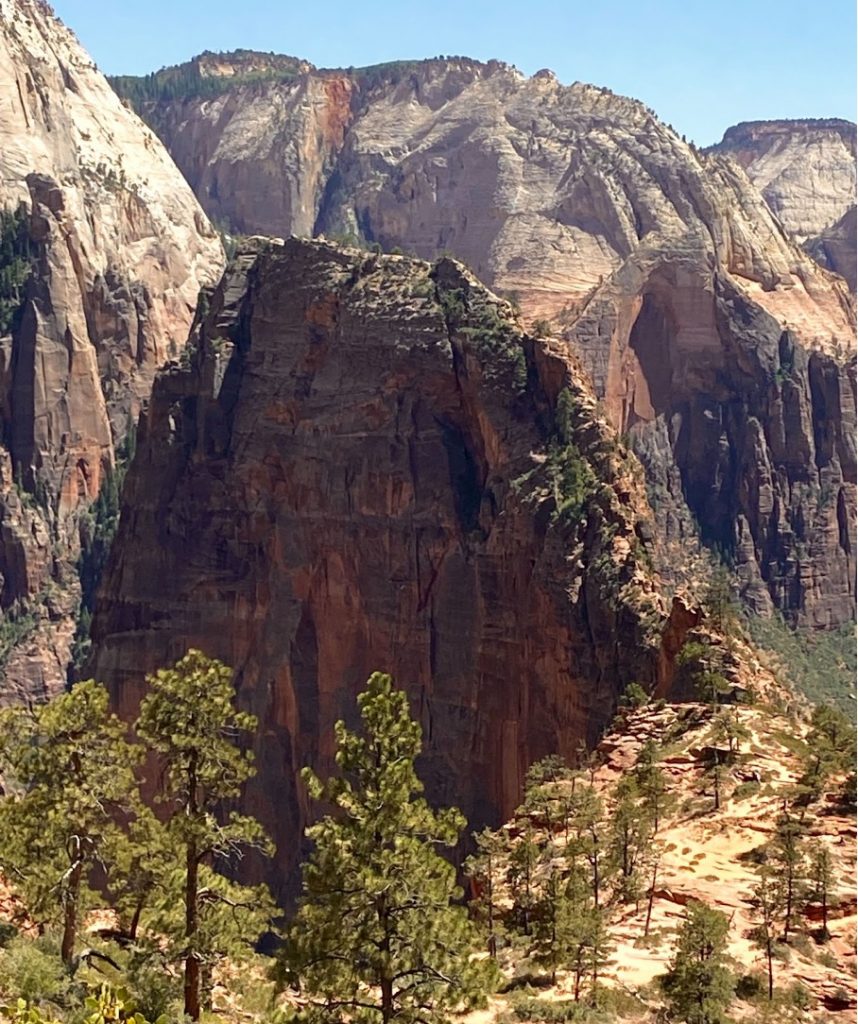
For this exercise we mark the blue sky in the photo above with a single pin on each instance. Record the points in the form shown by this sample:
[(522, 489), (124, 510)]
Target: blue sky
[(701, 65)]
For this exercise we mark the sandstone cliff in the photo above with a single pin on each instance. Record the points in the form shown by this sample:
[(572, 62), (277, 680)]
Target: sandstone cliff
[(716, 342), (116, 248), (835, 247), (366, 464), (805, 169)]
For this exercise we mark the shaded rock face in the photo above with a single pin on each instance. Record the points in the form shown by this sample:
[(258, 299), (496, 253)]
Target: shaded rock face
[(664, 267), (118, 250), (835, 248), (739, 424), (354, 473), (805, 169)]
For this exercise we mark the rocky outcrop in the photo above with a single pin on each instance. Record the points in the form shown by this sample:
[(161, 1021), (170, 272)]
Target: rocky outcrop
[(669, 275), (367, 465), (117, 250), (805, 169), (543, 190), (737, 422), (835, 248)]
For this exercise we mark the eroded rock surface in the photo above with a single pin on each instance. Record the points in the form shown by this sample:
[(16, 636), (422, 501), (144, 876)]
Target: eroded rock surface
[(836, 246), (711, 336), (118, 250), (367, 465), (804, 168)]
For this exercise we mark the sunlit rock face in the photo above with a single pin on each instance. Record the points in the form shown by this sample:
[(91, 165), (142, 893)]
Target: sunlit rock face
[(805, 169), (119, 248), (719, 345)]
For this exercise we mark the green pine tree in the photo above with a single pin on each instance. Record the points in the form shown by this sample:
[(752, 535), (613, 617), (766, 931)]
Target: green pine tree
[(524, 855), (69, 775), (728, 728), (629, 835), (786, 855), (378, 936), (485, 869), (822, 881), (555, 916), (141, 861), (656, 799), (830, 749), (698, 984), (769, 893), (188, 720), (589, 839)]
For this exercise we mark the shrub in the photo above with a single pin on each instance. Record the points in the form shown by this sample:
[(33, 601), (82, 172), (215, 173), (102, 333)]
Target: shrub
[(634, 696), (31, 969), (750, 986)]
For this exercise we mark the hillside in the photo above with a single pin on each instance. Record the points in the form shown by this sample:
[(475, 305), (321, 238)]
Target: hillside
[(701, 848)]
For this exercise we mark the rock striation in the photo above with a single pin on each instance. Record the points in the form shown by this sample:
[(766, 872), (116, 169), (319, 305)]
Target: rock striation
[(717, 343), (117, 248), (836, 246), (366, 464), (805, 169)]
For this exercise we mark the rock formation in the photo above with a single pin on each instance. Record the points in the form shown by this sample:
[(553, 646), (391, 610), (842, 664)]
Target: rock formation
[(835, 247), (116, 250), (715, 341), (805, 169), (367, 465)]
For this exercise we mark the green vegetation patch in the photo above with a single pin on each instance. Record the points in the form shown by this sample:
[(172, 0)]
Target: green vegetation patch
[(471, 314), (185, 82), (822, 664), (16, 263)]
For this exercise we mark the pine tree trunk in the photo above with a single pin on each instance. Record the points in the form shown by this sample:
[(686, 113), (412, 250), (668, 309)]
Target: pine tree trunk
[(135, 920), (825, 912), (493, 945), (192, 868), (595, 863), (386, 1000), (650, 900), (789, 897), (385, 982), (192, 963), (70, 911), (771, 969)]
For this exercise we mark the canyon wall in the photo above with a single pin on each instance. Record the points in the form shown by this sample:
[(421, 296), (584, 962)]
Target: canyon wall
[(805, 169), (366, 464), (715, 342), (112, 249)]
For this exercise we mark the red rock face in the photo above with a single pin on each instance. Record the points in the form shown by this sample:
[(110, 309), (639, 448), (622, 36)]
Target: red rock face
[(667, 271), (349, 478)]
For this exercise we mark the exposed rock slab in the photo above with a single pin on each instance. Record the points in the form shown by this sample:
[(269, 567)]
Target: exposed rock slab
[(805, 169), (836, 247), (673, 279), (353, 474), (121, 248)]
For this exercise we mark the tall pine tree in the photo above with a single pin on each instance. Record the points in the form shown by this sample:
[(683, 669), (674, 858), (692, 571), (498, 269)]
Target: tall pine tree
[(378, 936), (70, 777), (188, 720)]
